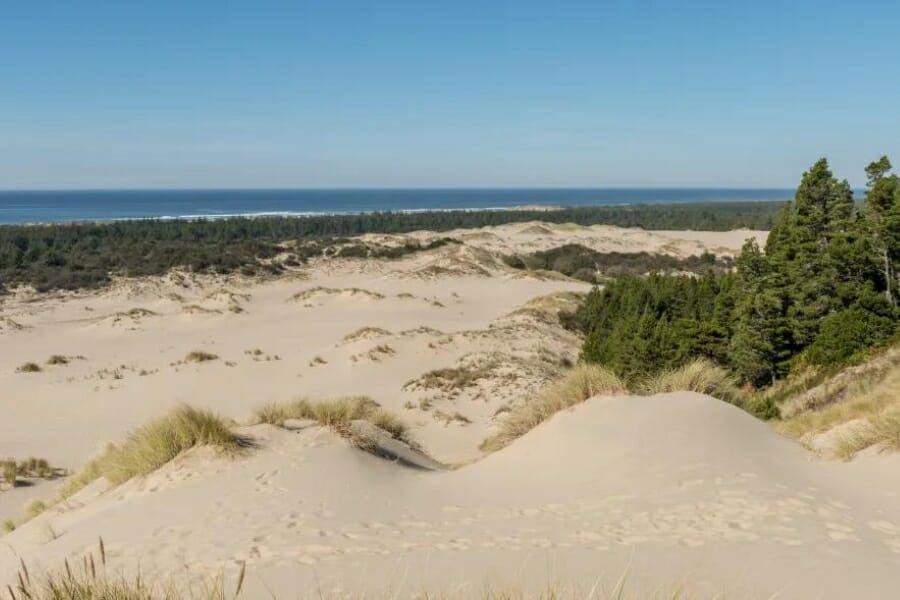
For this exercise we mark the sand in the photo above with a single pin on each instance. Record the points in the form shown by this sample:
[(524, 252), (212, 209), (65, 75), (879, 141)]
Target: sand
[(668, 489)]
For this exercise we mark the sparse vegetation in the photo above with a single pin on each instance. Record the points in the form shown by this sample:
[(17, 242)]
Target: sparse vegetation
[(57, 359), (337, 414), (317, 360), (579, 384), (91, 581), (200, 356), (365, 333), (155, 444), (875, 408), (29, 367), (451, 378)]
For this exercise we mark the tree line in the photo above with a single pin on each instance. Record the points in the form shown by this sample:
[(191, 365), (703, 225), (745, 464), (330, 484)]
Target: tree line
[(822, 291), (85, 255)]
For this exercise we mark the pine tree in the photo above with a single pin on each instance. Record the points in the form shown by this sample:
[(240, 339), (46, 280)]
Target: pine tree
[(883, 217)]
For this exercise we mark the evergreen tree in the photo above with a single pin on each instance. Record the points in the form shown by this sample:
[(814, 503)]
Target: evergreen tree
[(883, 218)]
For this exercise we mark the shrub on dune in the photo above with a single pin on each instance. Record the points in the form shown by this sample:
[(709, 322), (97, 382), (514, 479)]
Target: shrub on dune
[(155, 444), (200, 356), (702, 376), (579, 384)]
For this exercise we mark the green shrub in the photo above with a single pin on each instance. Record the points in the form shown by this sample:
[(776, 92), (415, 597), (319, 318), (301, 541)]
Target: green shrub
[(846, 333)]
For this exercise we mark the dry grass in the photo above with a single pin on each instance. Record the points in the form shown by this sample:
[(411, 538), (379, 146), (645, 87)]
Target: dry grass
[(579, 384), (200, 356), (876, 407), (337, 414), (35, 468), (57, 359), (155, 444), (365, 333), (451, 378), (91, 581), (29, 367), (702, 376)]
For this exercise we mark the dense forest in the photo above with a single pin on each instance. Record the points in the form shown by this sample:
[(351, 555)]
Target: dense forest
[(71, 256), (593, 266), (822, 291)]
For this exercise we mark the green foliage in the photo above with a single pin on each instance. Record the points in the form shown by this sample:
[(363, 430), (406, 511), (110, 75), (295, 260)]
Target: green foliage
[(86, 255), (844, 334), (586, 263), (639, 326), (823, 292)]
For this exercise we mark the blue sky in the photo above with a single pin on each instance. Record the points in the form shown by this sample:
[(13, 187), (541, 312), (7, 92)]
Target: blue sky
[(432, 94)]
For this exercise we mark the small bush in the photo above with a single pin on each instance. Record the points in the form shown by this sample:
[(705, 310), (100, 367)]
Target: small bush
[(29, 367), (9, 525), (702, 376), (57, 359), (579, 384), (200, 356), (846, 333)]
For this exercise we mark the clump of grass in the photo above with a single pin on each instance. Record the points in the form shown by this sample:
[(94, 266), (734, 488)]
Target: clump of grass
[(29, 367), (155, 444), (10, 472), (867, 403), (337, 414), (34, 508), (90, 581), (366, 332), (9, 525), (701, 376), (451, 378), (579, 384), (881, 430), (200, 356), (317, 360), (57, 359)]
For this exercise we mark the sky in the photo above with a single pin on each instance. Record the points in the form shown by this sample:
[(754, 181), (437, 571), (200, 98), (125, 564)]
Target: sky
[(429, 93)]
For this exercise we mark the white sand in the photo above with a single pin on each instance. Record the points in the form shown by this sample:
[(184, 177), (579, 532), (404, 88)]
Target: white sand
[(670, 488)]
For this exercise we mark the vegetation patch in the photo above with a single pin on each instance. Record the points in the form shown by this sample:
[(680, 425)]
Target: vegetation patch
[(31, 468), (579, 384), (150, 447), (587, 264), (702, 376), (200, 356), (338, 414), (29, 367)]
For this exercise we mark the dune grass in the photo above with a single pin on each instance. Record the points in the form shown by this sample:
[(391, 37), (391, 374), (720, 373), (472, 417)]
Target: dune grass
[(702, 376), (876, 408), (338, 414), (579, 384), (91, 580), (158, 442), (29, 367), (57, 359)]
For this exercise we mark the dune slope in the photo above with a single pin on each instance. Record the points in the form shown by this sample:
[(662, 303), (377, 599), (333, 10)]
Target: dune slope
[(673, 487)]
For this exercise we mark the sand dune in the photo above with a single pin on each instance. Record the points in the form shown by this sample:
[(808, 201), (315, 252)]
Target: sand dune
[(671, 487), (668, 488)]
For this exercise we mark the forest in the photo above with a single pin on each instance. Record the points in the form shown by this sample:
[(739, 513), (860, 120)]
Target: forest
[(822, 292), (86, 255)]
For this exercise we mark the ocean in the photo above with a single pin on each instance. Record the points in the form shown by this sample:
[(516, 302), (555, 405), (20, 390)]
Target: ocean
[(62, 206)]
